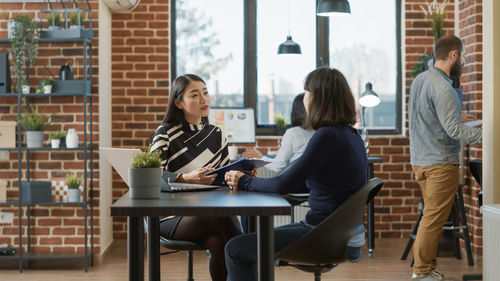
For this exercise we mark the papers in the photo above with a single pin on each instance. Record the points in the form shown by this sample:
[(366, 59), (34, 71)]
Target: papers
[(474, 123), (120, 159), (240, 165)]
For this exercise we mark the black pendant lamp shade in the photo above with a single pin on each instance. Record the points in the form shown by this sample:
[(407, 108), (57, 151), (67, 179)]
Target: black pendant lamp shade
[(289, 47), (329, 7)]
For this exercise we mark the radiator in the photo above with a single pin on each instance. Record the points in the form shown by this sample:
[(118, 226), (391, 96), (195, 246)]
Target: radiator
[(299, 214), (491, 242)]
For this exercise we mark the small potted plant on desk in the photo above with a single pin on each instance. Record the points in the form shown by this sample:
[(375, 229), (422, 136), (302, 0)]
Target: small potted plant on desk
[(145, 175), (280, 125), (55, 138), (34, 125), (73, 183)]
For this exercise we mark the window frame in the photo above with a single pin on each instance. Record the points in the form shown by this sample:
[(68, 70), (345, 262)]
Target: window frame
[(322, 59)]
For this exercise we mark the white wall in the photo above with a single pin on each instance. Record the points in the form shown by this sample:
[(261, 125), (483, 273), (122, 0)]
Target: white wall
[(105, 173)]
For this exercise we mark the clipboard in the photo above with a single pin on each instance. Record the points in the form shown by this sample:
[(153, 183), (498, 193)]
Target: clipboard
[(239, 165)]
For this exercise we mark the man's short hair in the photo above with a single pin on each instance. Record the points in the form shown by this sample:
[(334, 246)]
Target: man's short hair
[(445, 45)]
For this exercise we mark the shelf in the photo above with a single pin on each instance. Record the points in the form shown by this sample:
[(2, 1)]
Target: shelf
[(9, 203), (46, 256), (80, 148), (47, 95), (86, 34)]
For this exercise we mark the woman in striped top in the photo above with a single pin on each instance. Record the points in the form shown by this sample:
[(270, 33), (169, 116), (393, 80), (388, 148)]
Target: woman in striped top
[(190, 148)]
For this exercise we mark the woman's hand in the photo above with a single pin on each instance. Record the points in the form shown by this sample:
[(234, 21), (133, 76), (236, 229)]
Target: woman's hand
[(198, 176), (253, 173), (232, 178)]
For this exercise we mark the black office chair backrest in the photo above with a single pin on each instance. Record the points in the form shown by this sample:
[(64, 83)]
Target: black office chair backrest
[(326, 243), (476, 169)]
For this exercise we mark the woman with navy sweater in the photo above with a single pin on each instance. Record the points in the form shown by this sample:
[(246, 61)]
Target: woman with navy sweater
[(332, 167)]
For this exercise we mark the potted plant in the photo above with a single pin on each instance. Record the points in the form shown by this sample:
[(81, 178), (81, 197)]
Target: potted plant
[(76, 20), (34, 125), (73, 183), (55, 138), (280, 124), (145, 175), (45, 86), (24, 49), (54, 21)]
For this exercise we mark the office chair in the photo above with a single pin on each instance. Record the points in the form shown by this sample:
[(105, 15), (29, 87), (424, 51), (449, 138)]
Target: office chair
[(325, 246), (476, 169), (181, 245)]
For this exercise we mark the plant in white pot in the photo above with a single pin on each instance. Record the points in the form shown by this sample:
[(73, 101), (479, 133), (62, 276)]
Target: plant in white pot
[(145, 175), (73, 183), (34, 124), (76, 20), (23, 50), (55, 138), (54, 21)]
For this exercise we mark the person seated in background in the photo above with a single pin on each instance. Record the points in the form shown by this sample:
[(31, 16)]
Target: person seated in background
[(190, 147), (333, 167), (294, 140)]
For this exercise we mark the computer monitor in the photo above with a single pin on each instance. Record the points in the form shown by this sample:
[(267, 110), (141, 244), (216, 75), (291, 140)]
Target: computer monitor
[(238, 124)]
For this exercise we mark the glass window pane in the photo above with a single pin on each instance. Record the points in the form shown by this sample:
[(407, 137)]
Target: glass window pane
[(209, 43), (281, 77), (363, 47)]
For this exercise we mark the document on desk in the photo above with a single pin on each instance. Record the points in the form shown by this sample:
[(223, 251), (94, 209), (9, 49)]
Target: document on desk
[(474, 123), (239, 165)]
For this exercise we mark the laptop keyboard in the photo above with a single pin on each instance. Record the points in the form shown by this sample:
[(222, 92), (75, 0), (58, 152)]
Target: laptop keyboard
[(178, 187)]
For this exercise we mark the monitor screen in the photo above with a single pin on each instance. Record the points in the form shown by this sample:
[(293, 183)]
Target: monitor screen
[(238, 124)]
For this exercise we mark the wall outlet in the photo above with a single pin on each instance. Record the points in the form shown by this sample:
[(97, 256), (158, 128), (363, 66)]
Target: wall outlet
[(6, 217), (4, 155)]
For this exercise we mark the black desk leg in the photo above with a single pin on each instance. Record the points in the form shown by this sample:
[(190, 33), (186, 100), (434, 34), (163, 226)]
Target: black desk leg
[(154, 248), (265, 248), (370, 217), (135, 249), (370, 221)]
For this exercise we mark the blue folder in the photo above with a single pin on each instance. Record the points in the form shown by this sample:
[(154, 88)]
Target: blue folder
[(239, 165)]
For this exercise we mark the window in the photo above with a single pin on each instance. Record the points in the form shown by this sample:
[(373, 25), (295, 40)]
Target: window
[(233, 45), (363, 46)]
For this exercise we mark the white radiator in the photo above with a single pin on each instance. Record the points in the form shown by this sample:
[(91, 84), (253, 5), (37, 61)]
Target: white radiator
[(299, 214), (491, 242)]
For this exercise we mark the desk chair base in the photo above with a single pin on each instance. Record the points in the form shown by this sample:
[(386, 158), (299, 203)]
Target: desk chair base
[(180, 245), (478, 276), (316, 269)]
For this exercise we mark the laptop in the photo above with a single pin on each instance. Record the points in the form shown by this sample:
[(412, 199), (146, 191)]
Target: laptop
[(120, 159)]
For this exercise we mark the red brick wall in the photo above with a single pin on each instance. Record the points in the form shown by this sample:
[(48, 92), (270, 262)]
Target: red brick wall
[(140, 73), (53, 228), (470, 30)]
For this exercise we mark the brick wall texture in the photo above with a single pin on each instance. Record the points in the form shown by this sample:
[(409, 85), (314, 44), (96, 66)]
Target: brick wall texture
[(140, 63)]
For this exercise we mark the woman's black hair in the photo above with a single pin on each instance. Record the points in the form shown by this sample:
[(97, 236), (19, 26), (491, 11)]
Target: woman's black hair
[(332, 101), (174, 115), (298, 111)]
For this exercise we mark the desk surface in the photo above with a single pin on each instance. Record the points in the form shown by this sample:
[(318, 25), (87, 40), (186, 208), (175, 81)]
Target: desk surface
[(205, 203)]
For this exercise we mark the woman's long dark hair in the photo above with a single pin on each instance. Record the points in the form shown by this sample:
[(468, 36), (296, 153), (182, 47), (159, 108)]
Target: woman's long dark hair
[(298, 111), (332, 101), (174, 115)]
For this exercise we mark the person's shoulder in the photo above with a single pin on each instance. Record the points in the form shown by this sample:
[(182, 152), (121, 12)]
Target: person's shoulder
[(212, 127)]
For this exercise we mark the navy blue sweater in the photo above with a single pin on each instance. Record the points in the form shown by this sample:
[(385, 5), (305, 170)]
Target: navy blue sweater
[(333, 167)]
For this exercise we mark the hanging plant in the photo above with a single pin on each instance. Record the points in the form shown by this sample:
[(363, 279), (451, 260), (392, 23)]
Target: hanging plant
[(24, 48), (435, 12)]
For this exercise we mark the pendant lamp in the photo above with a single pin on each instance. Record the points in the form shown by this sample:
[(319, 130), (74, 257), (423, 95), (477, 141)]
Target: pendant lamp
[(289, 46), (328, 8)]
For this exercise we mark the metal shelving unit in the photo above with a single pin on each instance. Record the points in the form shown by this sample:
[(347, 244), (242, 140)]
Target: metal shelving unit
[(85, 147)]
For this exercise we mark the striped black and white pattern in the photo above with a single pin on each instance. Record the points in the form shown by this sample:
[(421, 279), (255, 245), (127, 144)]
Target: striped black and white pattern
[(186, 147)]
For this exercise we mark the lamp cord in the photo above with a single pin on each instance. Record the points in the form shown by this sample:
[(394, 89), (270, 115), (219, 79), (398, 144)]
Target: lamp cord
[(289, 18)]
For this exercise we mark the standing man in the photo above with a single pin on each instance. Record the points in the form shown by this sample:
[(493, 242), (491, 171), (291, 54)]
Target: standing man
[(436, 130)]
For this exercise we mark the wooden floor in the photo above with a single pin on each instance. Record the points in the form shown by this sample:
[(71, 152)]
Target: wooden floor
[(384, 265)]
